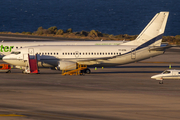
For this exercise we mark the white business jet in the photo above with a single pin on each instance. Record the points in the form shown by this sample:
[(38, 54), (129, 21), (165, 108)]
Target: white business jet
[(167, 75), (146, 45), (7, 47)]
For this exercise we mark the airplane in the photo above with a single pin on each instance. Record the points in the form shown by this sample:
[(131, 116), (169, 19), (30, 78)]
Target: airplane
[(7, 47), (146, 45), (167, 74)]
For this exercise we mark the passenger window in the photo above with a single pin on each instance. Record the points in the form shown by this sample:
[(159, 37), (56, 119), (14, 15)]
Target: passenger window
[(91, 53), (97, 53), (57, 53), (94, 53), (16, 47), (79, 53)]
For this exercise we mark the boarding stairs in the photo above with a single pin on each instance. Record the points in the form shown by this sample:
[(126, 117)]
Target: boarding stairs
[(32, 64), (75, 71)]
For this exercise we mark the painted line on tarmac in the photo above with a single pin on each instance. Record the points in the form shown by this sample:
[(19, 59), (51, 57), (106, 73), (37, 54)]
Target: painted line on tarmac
[(11, 115), (161, 62)]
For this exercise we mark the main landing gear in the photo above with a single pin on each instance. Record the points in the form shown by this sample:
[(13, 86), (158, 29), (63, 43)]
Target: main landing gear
[(86, 71)]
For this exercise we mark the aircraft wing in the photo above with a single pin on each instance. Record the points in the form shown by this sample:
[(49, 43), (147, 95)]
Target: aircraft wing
[(95, 60)]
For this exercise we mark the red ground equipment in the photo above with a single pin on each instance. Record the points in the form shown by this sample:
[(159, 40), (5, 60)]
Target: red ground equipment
[(5, 68)]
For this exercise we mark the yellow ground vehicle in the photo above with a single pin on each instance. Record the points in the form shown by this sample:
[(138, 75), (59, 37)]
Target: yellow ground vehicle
[(5, 68)]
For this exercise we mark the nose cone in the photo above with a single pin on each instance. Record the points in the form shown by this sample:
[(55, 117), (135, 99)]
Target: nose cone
[(157, 77), (13, 60), (6, 59), (153, 77)]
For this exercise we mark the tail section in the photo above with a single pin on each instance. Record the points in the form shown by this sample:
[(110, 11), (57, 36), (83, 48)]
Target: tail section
[(153, 32)]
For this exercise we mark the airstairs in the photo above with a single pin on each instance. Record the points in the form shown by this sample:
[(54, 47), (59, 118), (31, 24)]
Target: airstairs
[(32, 64), (76, 71)]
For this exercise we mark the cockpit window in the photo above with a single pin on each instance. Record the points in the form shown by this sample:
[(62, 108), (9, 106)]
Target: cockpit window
[(166, 72), (16, 53)]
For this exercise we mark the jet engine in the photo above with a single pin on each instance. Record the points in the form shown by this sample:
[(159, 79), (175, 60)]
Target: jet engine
[(66, 65)]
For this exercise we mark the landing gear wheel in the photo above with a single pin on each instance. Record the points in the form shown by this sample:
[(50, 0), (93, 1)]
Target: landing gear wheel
[(161, 82), (9, 71), (82, 74), (87, 71)]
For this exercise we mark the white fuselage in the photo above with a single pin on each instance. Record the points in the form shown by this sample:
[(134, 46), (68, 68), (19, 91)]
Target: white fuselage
[(49, 56), (7, 47), (167, 74)]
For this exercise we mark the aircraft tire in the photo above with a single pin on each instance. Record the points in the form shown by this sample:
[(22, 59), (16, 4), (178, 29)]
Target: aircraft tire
[(87, 71), (9, 71), (161, 82)]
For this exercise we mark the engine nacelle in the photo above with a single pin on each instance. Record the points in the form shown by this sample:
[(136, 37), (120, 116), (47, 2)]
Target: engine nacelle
[(66, 65)]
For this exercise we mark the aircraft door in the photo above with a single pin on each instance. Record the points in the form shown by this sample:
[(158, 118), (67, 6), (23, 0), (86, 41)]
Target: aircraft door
[(31, 53), (133, 53), (174, 73)]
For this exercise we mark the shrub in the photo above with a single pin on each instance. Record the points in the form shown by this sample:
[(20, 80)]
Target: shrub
[(39, 31), (177, 37), (69, 30), (40, 28), (60, 32), (52, 30), (111, 36), (23, 32), (93, 33), (28, 33), (84, 33)]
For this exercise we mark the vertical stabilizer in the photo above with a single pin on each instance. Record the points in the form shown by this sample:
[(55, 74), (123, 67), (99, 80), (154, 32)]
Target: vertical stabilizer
[(153, 32)]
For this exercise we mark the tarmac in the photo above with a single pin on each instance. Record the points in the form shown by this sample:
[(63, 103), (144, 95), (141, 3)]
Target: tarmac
[(116, 93)]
